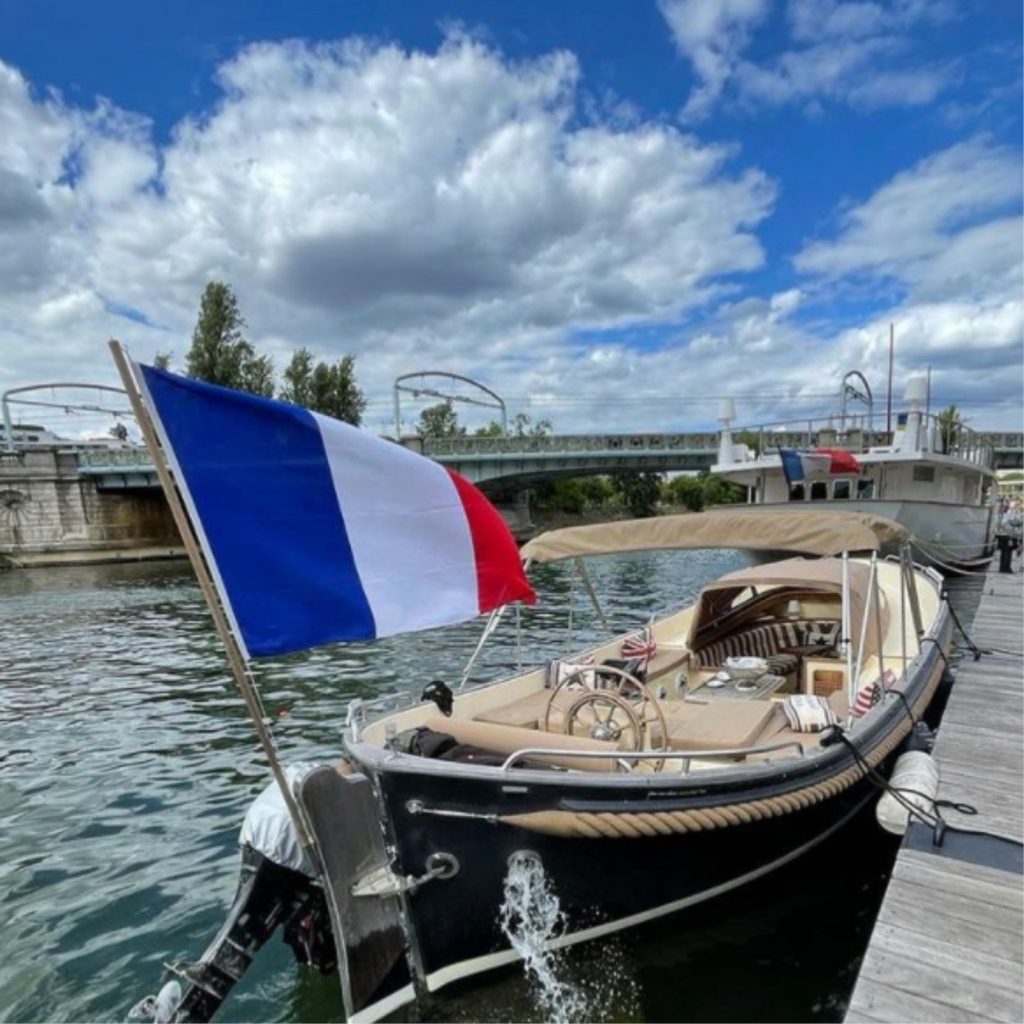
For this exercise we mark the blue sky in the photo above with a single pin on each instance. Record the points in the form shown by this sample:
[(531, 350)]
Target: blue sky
[(681, 199)]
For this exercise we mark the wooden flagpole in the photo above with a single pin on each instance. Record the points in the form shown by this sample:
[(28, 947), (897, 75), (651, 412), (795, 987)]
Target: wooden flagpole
[(240, 667)]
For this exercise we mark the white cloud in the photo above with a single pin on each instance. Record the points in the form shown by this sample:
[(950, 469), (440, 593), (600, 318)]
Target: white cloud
[(947, 232), (711, 34), (450, 208), (942, 213), (843, 51), (459, 210)]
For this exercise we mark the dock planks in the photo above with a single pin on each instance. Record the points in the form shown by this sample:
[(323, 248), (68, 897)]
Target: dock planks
[(948, 944)]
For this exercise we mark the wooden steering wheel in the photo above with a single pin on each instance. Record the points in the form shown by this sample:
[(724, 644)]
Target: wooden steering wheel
[(623, 712)]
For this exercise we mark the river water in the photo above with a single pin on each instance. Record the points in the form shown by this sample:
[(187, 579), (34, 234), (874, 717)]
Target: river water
[(127, 763)]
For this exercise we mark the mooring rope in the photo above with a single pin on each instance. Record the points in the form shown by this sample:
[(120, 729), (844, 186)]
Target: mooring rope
[(934, 818), (953, 568), (971, 645)]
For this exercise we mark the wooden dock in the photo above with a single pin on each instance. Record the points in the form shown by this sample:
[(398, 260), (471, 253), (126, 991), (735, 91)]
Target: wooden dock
[(948, 944)]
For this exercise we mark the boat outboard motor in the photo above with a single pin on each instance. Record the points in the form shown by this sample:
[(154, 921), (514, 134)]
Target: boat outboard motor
[(275, 888), (441, 694)]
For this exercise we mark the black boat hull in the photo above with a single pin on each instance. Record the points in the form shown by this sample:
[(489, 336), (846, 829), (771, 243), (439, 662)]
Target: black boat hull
[(603, 885)]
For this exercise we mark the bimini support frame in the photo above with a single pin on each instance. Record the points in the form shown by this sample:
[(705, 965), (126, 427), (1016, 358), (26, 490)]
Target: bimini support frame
[(581, 568), (240, 667), (845, 628)]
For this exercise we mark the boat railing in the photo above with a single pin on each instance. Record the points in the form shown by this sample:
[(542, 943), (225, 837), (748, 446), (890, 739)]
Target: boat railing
[(935, 433), (683, 756)]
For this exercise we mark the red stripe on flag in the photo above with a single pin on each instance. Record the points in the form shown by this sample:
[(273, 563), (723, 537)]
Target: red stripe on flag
[(499, 570), (842, 461)]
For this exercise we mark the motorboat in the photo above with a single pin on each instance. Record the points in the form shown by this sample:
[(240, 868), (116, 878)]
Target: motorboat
[(693, 754), (932, 475)]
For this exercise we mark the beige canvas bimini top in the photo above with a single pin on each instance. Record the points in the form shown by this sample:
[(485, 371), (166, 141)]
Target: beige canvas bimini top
[(749, 528)]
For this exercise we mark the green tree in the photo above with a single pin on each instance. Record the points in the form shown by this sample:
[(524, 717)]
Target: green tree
[(440, 420), (119, 432), (639, 491), (298, 379), (336, 393), (162, 360), (523, 426), (220, 353), (597, 490), (950, 423), (323, 387), (256, 374), (750, 438), (718, 491), (493, 429), (687, 491)]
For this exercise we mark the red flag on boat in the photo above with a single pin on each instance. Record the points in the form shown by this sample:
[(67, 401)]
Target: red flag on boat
[(840, 461), (799, 465)]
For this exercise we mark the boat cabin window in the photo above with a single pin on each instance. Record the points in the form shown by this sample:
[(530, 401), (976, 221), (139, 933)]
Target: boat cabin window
[(866, 488), (819, 490), (841, 489), (924, 474), (796, 492)]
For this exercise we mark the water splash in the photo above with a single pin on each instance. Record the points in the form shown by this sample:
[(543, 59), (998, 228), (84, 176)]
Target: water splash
[(531, 916)]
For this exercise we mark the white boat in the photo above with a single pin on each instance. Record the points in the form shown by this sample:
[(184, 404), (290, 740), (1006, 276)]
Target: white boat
[(935, 479)]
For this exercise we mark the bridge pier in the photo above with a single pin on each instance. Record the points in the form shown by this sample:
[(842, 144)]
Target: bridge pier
[(51, 514), (516, 512)]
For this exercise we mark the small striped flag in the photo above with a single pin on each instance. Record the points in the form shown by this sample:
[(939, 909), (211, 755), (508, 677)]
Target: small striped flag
[(640, 645), (868, 696)]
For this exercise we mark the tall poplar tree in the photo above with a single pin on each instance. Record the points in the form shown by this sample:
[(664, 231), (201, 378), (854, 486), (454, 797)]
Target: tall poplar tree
[(220, 353), (323, 387)]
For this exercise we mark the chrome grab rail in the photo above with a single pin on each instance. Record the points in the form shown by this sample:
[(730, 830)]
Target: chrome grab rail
[(652, 755)]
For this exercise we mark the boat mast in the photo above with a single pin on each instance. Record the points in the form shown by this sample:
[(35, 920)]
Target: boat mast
[(240, 667), (888, 401)]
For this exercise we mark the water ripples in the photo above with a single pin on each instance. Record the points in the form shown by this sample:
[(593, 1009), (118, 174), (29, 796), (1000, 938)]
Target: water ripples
[(127, 762)]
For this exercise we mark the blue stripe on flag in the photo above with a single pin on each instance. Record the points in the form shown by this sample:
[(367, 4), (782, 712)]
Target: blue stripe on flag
[(792, 464), (259, 479)]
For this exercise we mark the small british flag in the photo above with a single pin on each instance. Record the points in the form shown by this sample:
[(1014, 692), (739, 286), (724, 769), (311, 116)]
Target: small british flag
[(640, 645)]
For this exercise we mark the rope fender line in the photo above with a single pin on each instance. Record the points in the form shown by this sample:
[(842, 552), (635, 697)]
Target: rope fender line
[(635, 824)]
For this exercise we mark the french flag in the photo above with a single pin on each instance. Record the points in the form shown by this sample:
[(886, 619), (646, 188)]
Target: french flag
[(799, 465), (317, 532)]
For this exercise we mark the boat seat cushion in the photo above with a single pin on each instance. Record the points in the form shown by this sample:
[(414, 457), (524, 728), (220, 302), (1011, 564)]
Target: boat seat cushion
[(692, 724), (716, 723), (528, 712), (583, 669), (524, 713), (807, 713), (767, 640)]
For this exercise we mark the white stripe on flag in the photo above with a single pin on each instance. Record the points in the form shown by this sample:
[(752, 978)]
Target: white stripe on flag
[(815, 463), (408, 530)]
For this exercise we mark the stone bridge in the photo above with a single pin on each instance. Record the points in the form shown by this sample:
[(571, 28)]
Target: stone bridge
[(502, 463), (67, 499)]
